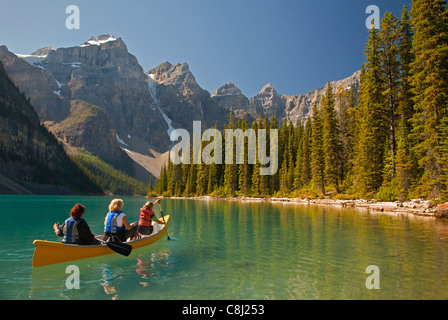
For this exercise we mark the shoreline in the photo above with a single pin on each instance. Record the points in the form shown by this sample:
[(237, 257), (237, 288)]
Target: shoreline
[(418, 207)]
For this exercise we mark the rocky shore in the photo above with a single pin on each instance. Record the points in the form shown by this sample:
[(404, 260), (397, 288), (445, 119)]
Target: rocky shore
[(418, 207)]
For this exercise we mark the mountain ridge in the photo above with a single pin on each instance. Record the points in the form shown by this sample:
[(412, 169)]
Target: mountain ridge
[(269, 102)]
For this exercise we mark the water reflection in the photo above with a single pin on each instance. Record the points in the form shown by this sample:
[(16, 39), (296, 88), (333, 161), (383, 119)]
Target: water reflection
[(110, 288), (148, 266), (286, 251)]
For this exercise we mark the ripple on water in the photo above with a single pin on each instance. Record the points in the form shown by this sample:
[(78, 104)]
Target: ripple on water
[(226, 250)]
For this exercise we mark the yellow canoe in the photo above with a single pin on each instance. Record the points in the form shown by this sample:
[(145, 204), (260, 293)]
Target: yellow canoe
[(48, 252)]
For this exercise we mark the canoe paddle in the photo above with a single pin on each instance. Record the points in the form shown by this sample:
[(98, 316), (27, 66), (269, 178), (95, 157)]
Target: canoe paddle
[(163, 218), (119, 247)]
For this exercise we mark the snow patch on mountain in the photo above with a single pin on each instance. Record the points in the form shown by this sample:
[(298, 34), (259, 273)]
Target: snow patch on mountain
[(152, 86), (60, 85), (119, 140), (98, 41), (33, 60)]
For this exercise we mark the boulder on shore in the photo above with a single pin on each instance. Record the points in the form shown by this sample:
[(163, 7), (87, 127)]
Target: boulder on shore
[(441, 211)]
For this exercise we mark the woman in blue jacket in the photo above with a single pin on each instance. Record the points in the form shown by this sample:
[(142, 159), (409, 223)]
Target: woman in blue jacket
[(75, 229), (116, 224)]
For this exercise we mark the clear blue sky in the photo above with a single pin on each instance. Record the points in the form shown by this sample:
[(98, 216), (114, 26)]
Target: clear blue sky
[(296, 45)]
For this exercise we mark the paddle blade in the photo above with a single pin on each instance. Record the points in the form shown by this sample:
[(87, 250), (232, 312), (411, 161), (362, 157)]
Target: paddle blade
[(121, 248)]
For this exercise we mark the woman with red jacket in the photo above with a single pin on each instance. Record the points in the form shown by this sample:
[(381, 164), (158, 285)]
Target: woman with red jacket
[(147, 216)]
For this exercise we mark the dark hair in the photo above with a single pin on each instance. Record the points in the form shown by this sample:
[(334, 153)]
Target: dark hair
[(149, 205), (77, 211)]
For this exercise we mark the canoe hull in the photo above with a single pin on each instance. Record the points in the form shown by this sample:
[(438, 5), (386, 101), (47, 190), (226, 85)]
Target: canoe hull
[(48, 252)]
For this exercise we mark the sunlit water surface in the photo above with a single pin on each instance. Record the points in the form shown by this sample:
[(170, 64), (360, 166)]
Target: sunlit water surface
[(231, 250)]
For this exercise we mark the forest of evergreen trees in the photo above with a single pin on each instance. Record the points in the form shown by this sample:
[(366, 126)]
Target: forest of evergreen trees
[(105, 176), (387, 141)]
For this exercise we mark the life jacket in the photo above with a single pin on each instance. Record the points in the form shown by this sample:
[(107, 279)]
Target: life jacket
[(111, 224), (70, 230), (145, 217)]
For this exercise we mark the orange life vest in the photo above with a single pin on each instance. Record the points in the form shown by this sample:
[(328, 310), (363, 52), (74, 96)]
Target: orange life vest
[(145, 217)]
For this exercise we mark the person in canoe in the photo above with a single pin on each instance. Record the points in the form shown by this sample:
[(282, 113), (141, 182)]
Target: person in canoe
[(147, 216), (116, 224), (75, 229)]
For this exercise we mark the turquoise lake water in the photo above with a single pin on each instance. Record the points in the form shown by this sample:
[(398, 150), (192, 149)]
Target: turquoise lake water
[(231, 250)]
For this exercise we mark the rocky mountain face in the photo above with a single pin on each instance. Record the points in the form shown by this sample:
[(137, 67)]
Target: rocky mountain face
[(230, 97), (90, 127), (31, 159), (100, 72), (267, 102), (138, 109), (182, 100), (97, 96), (36, 83)]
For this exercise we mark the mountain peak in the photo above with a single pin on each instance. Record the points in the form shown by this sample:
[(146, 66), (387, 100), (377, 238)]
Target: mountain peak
[(43, 51), (227, 89), (182, 67), (99, 40), (229, 85), (230, 97), (269, 88), (177, 75)]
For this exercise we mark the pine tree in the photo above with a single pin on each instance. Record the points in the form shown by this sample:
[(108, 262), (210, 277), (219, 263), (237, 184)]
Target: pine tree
[(291, 156), (162, 183), (170, 179), (287, 162), (430, 88), (388, 49), (306, 153), (284, 178), (374, 121), (347, 130), (243, 169), (185, 170), (317, 151), (230, 169), (330, 139), (202, 179), (406, 161), (202, 176), (190, 188), (342, 105), (298, 169), (150, 190), (265, 180), (177, 179), (213, 174), (274, 179), (255, 179), (405, 95)]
